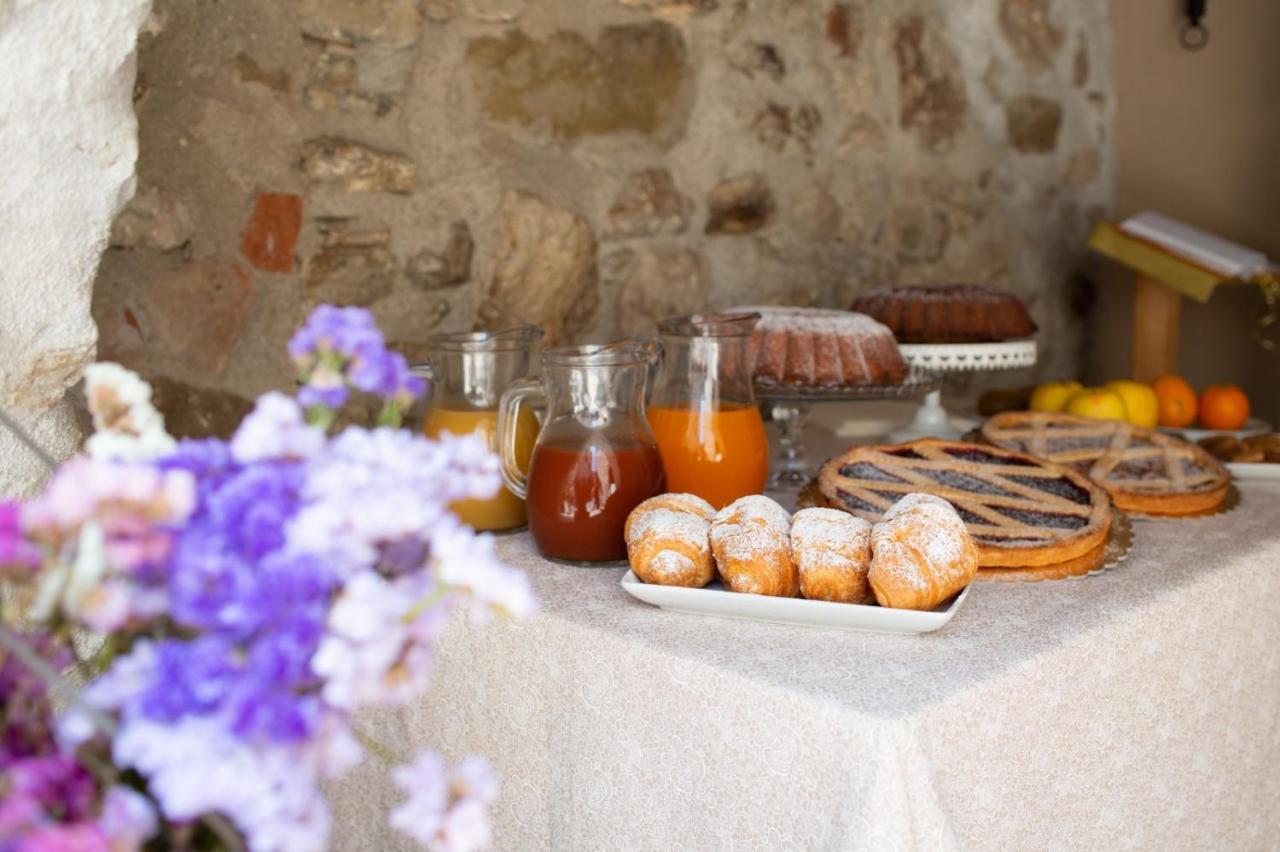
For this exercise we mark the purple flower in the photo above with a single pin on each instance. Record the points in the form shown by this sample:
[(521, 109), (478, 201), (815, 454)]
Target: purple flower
[(253, 506), (208, 460), (187, 678), (42, 790), (341, 347), (25, 711), (211, 586), (15, 550), (333, 329)]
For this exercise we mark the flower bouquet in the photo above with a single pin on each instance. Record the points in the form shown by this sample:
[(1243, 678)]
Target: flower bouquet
[(208, 617)]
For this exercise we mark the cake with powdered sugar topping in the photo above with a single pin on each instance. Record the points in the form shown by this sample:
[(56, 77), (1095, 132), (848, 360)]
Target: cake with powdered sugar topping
[(814, 347)]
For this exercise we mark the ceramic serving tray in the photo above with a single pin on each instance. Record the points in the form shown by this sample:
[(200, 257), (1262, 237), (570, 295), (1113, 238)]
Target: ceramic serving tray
[(715, 600), (1254, 470)]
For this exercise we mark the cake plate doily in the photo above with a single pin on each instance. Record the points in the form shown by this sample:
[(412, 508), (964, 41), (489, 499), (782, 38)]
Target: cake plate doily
[(931, 419), (789, 406)]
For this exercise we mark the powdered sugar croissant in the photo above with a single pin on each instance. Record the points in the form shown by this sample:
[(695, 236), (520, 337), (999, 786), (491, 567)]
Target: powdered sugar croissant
[(667, 540), (922, 554), (751, 541)]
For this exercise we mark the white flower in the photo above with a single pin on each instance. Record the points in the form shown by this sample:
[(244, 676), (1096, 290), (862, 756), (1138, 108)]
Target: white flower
[(427, 785), (195, 766), (446, 811), (128, 818), (275, 429), (466, 562), (372, 652), (128, 427)]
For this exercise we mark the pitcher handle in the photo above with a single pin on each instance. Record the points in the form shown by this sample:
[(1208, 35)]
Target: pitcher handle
[(508, 412)]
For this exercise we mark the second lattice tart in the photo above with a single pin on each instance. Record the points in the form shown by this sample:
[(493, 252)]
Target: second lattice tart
[(1143, 470)]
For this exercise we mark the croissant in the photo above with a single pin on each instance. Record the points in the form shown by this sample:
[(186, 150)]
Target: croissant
[(667, 540), (922, 554), (750, 539), (832, 552)]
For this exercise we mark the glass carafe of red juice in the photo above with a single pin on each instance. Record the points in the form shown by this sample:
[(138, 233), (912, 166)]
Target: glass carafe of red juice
[(468, 371), (703, 412), (595, 458)]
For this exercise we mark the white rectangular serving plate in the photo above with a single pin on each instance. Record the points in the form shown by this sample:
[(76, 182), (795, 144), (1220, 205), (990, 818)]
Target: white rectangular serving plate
[(715, 600), (1254, 470)]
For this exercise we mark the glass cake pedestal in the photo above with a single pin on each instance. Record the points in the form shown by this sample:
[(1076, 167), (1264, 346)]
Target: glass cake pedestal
[(789, 406), (932, 420)]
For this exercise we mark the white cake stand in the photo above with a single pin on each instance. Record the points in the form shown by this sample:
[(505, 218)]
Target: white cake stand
[(931, 419)]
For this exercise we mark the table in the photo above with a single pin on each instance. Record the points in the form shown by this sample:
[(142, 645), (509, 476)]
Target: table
[(1135, 709)]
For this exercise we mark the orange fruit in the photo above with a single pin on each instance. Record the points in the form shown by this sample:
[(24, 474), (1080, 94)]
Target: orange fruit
[(1223, 407), (1176, 399)]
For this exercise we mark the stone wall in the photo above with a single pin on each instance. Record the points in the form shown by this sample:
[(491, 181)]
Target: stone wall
[(592, 165), (67, 134)]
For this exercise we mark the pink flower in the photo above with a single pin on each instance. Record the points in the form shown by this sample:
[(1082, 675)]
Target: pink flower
[(85, 488)]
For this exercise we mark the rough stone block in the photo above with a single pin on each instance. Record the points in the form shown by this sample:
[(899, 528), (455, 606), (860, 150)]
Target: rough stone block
[(678, 9), (844, 28), (659, 283), (740, 205), (776, 125), (350, 275), (153, 220), (392, 23), (449, 267), (648, 203), (1026, 27), (269, 237), (196, 412), (546, 274), (758, 58), (194, 313), (359, 168), (1033, 123), (634, 77), (69, 139), (931, 97)]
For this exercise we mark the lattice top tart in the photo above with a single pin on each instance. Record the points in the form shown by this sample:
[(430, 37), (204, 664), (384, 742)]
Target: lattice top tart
[(1143, 470), (1021, 511)]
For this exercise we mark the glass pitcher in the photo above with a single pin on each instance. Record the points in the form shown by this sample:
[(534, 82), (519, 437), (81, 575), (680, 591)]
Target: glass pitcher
[(468, 372), (703, 412), (595, 458)]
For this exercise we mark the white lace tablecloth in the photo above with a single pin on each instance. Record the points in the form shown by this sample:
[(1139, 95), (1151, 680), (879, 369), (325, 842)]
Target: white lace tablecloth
[(1135, 709)]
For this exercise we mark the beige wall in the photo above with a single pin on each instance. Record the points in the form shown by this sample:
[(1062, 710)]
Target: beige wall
[(1198, 138)]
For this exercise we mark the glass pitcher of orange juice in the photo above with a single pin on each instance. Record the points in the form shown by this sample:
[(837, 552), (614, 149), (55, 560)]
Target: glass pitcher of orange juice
[(468, 372), (703, 412)]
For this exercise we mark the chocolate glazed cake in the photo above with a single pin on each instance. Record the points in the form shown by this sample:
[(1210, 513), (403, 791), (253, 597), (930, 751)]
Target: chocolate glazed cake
[(956, 313)]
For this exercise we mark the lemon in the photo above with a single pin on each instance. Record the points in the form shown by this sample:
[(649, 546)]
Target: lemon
[(1054, 395), (1098, 404), (1139, 400)]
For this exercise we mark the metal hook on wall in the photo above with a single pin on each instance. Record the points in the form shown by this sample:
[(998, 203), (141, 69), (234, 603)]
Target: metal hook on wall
[(1194, 34)]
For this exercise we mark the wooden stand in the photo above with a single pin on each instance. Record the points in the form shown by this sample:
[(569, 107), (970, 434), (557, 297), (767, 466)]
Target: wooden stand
[(1162, 280), (1157, 311)]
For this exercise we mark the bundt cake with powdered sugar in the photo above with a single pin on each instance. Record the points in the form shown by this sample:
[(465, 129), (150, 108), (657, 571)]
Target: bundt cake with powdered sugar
[(812, 347), (955, 313)]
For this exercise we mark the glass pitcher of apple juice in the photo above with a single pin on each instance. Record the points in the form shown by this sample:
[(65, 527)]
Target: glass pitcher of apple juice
[(468, 372)]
